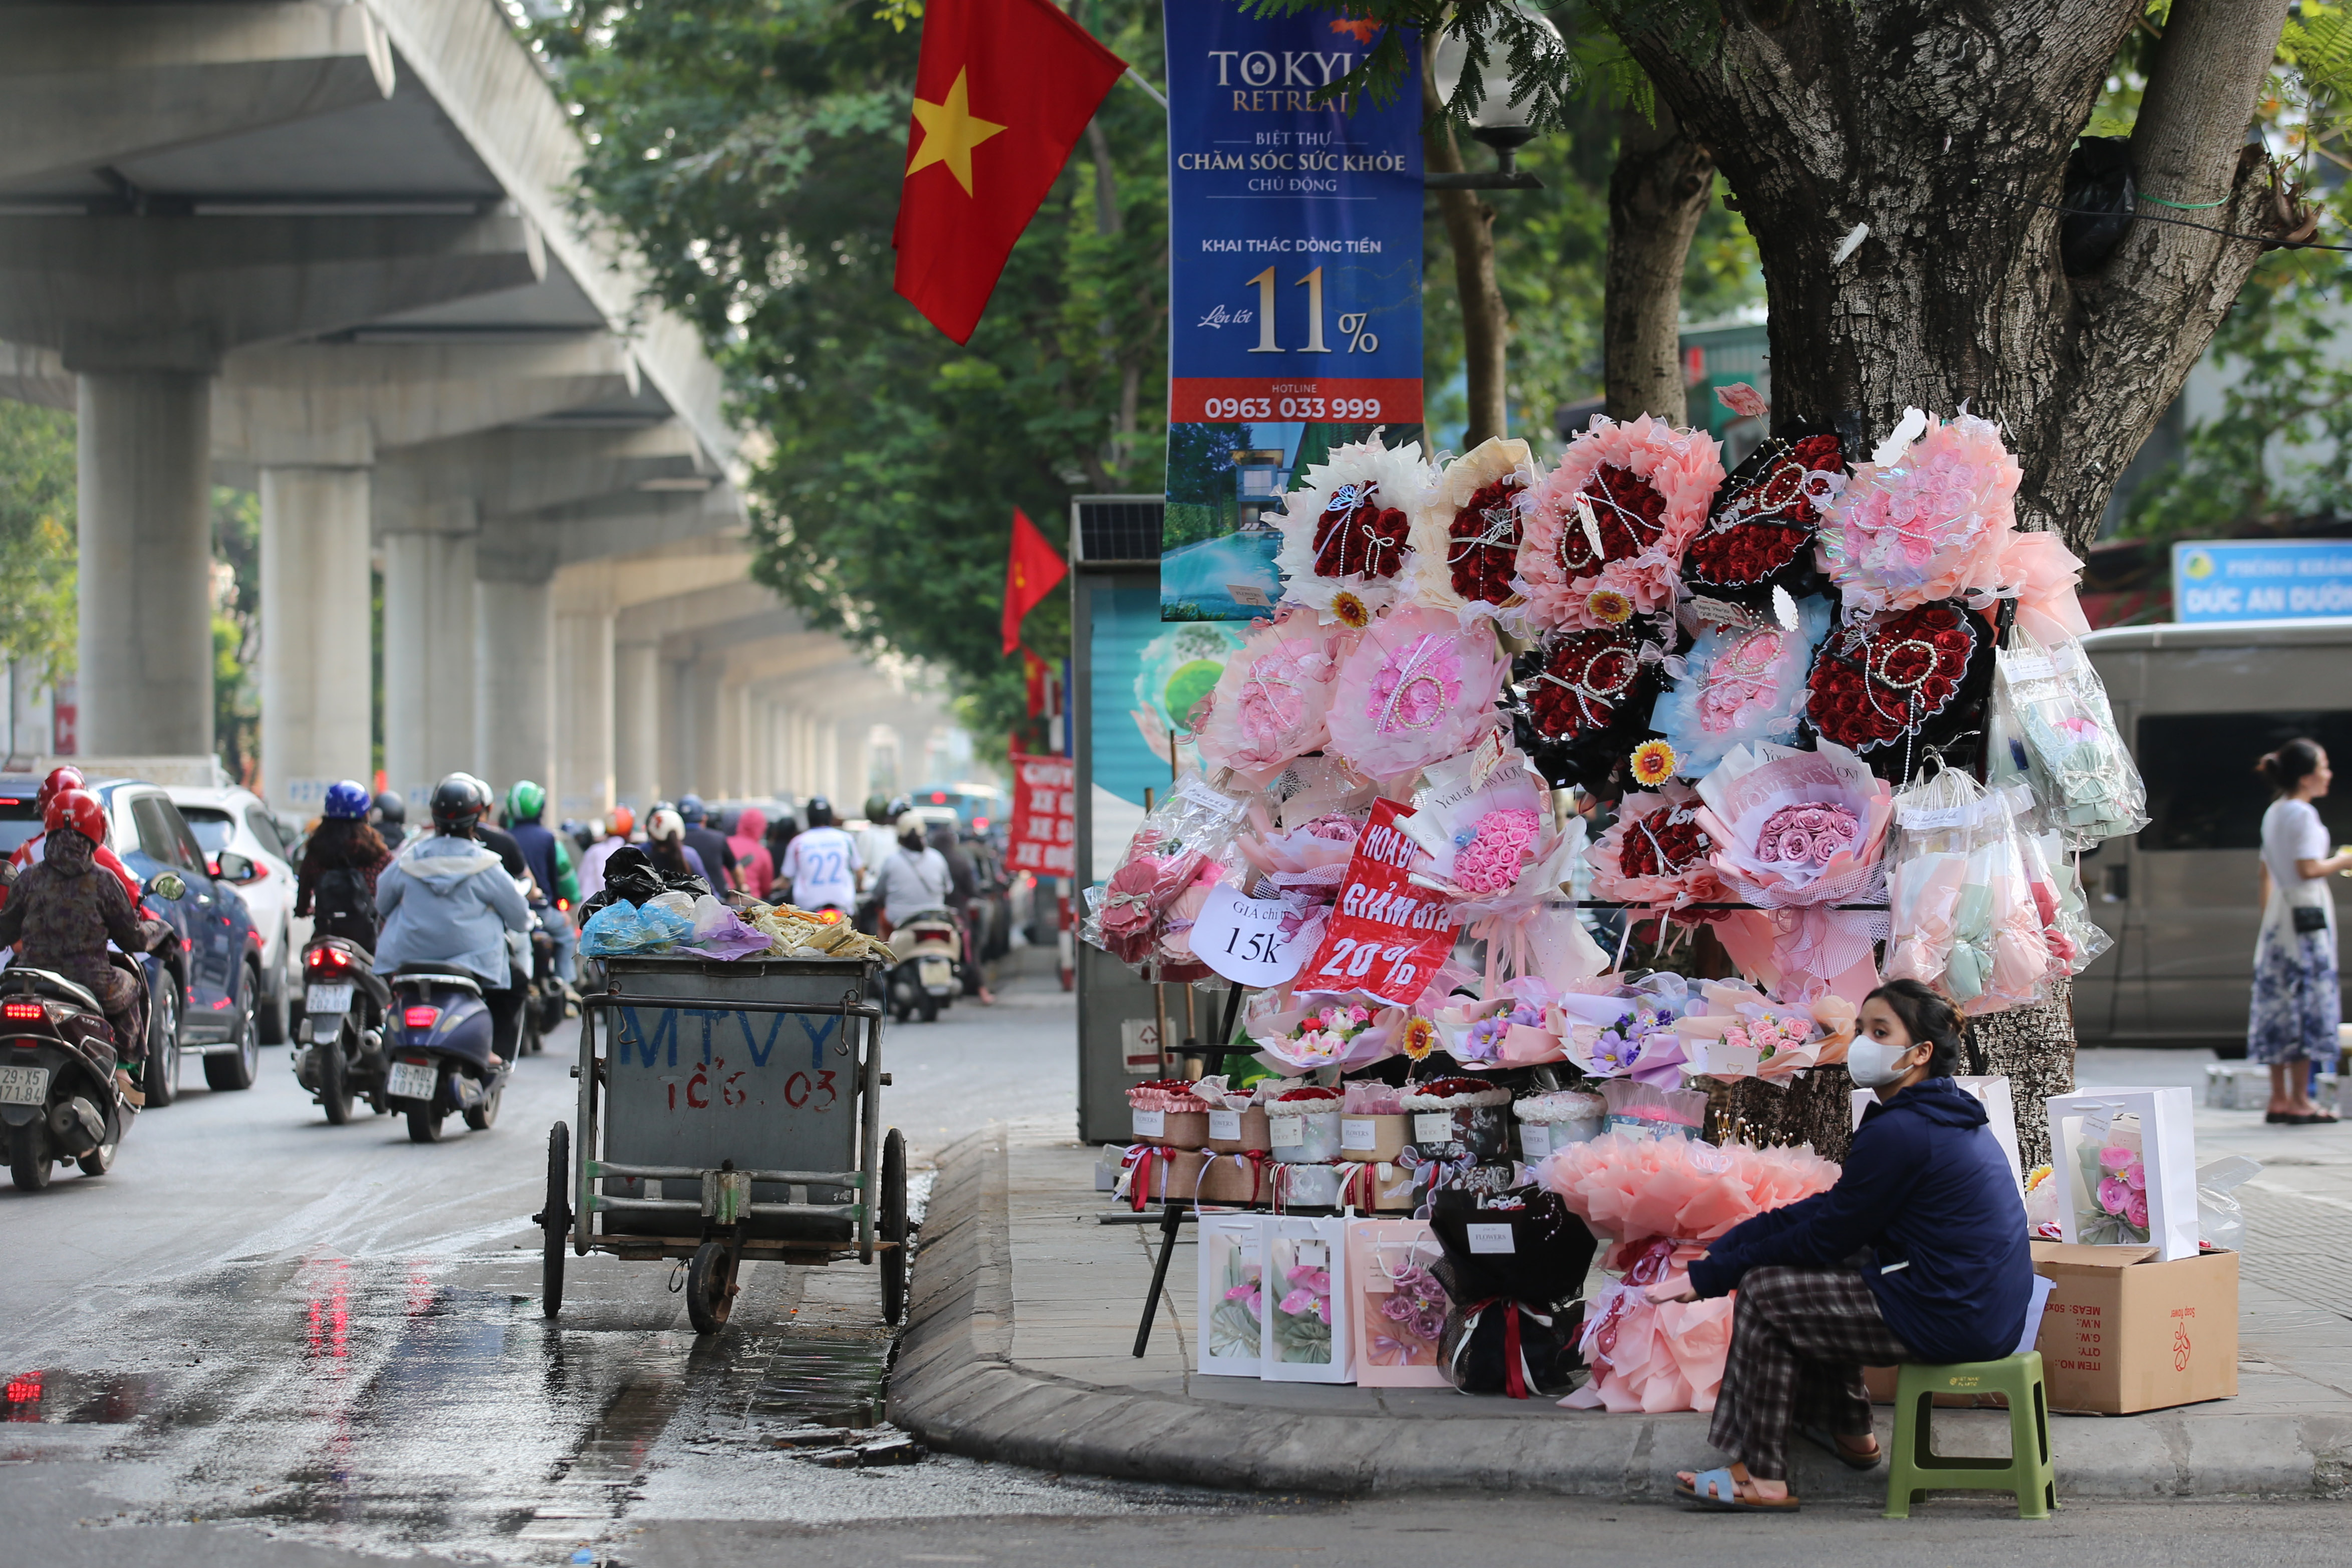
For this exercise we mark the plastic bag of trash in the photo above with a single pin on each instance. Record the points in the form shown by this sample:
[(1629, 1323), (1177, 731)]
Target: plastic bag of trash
[(623, 928), (720, 933), (2221, 1223)]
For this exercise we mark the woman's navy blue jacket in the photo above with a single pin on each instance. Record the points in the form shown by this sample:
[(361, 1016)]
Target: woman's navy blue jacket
[(1928, 1199)]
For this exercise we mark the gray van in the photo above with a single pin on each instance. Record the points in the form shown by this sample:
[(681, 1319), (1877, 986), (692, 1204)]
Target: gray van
[(2181, 898)]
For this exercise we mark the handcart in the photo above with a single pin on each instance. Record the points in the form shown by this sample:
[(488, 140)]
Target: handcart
[(734, 1111)]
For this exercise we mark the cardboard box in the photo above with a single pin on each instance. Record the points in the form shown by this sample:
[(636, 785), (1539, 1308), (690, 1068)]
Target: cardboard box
[(1190, 1175), (2123, 1331)]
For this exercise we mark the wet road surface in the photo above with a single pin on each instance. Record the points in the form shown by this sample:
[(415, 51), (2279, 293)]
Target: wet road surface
[(334, 1334)]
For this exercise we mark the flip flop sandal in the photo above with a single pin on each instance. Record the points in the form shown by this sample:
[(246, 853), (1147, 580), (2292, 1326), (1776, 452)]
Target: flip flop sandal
[(1822, 1439), (1717, 1491)]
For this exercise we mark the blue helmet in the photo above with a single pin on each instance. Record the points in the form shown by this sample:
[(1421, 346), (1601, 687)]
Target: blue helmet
[(348, 801), (690, 808)]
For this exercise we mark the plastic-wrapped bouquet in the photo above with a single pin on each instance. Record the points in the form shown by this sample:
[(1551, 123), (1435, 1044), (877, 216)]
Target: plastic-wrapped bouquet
[(1303, 1035), (1742, 680), (1166, 854), (1467, 535), (2051, 706), (1962, 916), (1345, 529), (1273, 701), (1419, 686), (1644, 1043), (1605, 537), (1657, 853), (1927, 518), (2114, 1184)]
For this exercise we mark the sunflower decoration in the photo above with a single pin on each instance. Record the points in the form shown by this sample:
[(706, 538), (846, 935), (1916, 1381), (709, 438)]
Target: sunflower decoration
[(1420, 1039), (1608, 608), (1654, 764), (1350, 611)]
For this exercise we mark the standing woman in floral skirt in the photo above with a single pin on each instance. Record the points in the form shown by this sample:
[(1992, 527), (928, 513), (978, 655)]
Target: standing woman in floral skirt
[(2297, 1003)]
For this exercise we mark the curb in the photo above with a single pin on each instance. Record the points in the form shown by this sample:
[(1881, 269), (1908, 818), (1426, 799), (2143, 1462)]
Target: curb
[(955, 1387)]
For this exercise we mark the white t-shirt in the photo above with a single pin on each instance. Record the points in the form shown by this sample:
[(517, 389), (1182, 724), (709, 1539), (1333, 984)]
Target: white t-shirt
[(913, 882), (2292, 831), (821, 864)]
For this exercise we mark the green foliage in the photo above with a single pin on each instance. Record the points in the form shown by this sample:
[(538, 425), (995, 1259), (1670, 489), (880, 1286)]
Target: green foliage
[(36, 537), (752, 149), (237, 631)]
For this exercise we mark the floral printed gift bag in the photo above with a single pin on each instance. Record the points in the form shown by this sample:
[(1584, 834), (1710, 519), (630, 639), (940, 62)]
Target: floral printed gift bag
[(1399, 1308), (1306, 1318), (1233, 1294), (2128, 1160)]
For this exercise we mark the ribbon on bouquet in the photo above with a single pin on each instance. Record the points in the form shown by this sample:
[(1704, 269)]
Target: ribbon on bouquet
[(1254, 1160), (1135, 1170), (1620, 1298), (1515, 1358)]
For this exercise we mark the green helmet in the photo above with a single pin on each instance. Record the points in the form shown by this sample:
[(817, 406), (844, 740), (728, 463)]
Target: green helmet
[(525, 802)]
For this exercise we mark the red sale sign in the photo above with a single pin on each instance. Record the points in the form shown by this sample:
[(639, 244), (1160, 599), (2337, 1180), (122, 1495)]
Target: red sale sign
[(1386, 936), (1045, 815)]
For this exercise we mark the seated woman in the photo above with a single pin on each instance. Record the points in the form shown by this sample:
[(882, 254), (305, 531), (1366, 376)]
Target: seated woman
[(1919, 1254)]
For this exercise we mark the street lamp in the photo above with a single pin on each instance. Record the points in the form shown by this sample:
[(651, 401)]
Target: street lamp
[(1499, 122)]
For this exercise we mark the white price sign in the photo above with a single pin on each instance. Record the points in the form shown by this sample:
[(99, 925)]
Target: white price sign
[(1225, 1124), (1285, 1131), (1149, 1123), (1241, 938), (1433, 1127)]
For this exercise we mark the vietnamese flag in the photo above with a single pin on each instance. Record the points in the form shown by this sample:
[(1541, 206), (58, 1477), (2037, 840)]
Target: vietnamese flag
[(1029, 576), (1004, 90)]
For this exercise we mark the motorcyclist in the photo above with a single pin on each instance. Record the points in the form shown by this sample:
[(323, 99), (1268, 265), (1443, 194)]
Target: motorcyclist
[(666, 847), (445, 901), (823, 863), (389, 816), (707, 841), (746, 836), (343, 859), (618, 826), (913, 882), (65, 909), (549, 855), (963, 890), (28, 853)]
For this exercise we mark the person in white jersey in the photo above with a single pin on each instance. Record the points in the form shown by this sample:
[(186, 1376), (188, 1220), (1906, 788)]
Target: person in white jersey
[(821, 864)]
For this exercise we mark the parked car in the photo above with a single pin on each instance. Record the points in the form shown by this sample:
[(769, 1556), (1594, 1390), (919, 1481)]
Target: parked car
[(245, 846), (2198, 704)]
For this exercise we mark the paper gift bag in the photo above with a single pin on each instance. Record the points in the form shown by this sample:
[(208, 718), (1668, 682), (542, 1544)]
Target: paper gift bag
[(1994, 1094), (1305, 1321), (1398, 1307), (1378, 1187), (2128, 1157), (1233, 1272)]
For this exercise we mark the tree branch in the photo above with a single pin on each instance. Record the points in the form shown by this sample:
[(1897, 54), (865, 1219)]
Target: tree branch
[(1470, 235), (1657, 194)]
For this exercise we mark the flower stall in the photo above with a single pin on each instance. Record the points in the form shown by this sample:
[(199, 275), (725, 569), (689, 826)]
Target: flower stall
[(1811, 723)]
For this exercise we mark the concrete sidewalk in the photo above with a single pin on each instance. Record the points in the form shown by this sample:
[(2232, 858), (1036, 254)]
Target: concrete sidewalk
[(1025, 1307)]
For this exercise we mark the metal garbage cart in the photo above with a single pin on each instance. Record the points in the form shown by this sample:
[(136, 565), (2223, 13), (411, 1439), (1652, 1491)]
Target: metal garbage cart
[(734, 1111)]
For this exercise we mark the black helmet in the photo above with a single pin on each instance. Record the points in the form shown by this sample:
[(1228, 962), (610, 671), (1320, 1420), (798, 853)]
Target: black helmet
[(391, 810), (820, 812), (458, 802), (689, 809)]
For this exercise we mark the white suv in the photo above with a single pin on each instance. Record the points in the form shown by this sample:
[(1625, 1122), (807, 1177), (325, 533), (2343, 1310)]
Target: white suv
[(246, 848)]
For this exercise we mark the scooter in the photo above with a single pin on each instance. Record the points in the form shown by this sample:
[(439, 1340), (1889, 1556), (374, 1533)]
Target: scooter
[(931, 975), (547, 1002), (439, 1052), (343, 1008), (59, 1099)]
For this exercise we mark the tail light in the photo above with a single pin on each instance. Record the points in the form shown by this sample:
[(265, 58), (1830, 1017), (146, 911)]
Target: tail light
[(828, 917), (563, 906), (420, 1017), (24, 1010), (330, 958)]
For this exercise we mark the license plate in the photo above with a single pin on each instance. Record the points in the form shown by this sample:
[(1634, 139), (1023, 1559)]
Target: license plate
[(411, 1080), (24, 1085), (937, 972), (328, 999)]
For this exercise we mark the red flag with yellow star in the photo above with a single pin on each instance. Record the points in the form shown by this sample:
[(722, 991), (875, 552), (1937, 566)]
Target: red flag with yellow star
[(1029, 575), (1003, 92)]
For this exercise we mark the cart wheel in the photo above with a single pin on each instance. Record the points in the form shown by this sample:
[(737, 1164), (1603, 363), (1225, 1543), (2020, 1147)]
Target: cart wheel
[(709, 1288), (894, 1227), (554, 1221), (424, 1126), (335, 1079)]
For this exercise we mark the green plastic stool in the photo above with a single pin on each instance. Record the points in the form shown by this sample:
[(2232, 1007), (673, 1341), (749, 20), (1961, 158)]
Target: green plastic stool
[(1914, 1468)]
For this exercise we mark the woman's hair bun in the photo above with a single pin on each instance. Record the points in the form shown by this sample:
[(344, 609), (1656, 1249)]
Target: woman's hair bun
[(2290, 764)]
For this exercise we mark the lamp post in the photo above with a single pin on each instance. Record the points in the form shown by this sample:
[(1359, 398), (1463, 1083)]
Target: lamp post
[(1499, 122)]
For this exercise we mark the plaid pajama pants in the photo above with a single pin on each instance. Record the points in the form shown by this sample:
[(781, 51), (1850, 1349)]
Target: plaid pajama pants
[(1799, 1338)]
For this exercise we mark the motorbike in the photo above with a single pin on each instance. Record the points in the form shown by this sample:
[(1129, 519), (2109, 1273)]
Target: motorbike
[(59, 1099), (931, 974), (545, 1009), (343, 1009), (438, 1052)]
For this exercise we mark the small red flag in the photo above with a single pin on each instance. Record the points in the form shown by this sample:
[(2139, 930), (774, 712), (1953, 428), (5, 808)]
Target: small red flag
[(1003, 91), (1034, 671), (1029, 576)]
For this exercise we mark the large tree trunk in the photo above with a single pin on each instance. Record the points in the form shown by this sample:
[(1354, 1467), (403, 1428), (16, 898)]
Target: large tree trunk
[(1945, 131), (1470, 236), (1657, 194)]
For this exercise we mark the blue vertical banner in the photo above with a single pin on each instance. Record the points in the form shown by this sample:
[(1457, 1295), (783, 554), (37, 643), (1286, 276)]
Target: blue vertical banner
[(1294, 293)]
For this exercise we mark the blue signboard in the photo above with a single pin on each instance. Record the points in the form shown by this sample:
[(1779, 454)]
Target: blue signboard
[(1294, 238), (2262, 580)]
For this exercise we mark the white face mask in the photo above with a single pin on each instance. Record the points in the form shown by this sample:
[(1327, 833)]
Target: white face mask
[(1872, 1063)]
